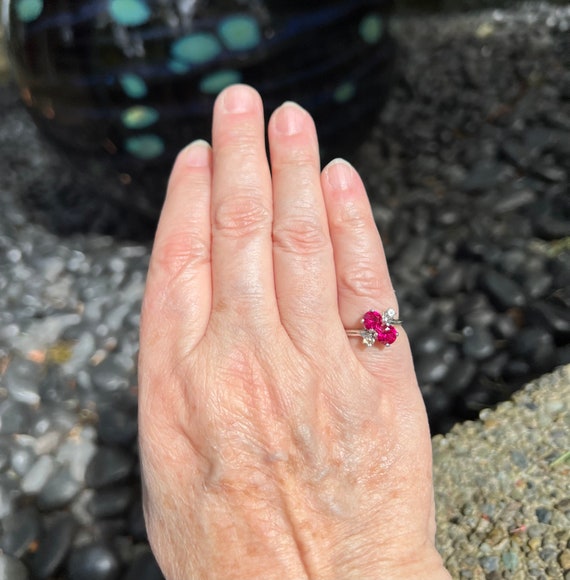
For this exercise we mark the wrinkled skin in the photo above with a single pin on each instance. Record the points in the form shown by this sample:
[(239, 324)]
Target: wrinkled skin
[(272, 445)]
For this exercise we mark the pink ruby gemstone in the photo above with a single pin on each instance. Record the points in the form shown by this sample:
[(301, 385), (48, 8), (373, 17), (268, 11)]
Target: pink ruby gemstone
[(387, 334)]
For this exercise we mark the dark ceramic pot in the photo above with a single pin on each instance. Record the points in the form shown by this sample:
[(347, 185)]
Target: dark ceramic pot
[(119, 86)]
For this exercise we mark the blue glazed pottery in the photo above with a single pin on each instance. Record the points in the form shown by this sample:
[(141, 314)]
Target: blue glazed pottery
[(120, 86)]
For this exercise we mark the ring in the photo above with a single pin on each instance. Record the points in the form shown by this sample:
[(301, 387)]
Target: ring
[(378, 328)]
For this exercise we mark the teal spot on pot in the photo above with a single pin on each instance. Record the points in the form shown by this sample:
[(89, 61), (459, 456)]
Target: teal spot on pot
[(29, 10), (145, 146), (133, 85), (371, 28), (240, 32), (139, 117), (216, 82), (197, 48), (344, 92), (129, 12), (178, 67)]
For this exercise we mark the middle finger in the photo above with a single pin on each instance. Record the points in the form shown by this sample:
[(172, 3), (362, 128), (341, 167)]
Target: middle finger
[(242, 215)]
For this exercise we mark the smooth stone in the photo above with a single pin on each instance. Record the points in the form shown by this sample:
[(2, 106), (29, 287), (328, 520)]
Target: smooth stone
[(93, 562), (460, 375), (489, 563), (556, 316), (477, 398), (107, 503), (478, 343), (59, 490), (430, 341), (4, 456), (543, 515), (537, 284), (77, 452), (502, 290), (109, 465), (563, 355), (516, 368), (431, 368), (475, 310), (12, 569), (516, 153), (6, 501), (117, 427), (37, 476), (494, 366), (137, 526), (505, 326), (436, 400), (14, 417), (448, 281), (484, 176), (109, 376), (53, 547), (535, 345), (21, 379), (22, 459), (413, 254), (539, 138), (19, 531), (144, 567), (550, 227), (513, 200)]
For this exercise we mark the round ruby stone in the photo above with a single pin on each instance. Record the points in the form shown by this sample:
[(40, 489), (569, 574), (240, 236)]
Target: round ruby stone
[(372, 320), (386, 333)]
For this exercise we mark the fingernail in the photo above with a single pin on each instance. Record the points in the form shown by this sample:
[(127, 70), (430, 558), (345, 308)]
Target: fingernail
[(340, 174), (238, 99), (289, 118), (198, 154)]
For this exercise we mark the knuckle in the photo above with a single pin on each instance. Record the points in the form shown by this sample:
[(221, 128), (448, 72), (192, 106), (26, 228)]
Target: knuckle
[(296, 158), (363, 279), (300, 234), (181, 251), (239, 215), (353, 218)]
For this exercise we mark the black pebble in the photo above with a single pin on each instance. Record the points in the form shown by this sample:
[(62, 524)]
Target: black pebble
[(459, 377), (431, 368), (144, 567), (117, 426), (93, 562), (535, 345), (543, 515), (448, 281), (137, 526), (110, 502), (478, 343), (429, 341), (53, 547), (556, 316), (19, 531), (109, 465), (503, 291)]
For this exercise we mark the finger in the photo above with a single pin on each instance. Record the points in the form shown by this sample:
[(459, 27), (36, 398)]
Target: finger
[(302, 251), (242, 211), (363, 281), (178, 291)]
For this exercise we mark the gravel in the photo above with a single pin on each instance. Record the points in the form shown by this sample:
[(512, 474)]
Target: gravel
[(467, 174), (502, 487)]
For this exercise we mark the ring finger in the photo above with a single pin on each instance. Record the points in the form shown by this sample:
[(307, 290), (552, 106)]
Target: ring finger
[(363, 280)]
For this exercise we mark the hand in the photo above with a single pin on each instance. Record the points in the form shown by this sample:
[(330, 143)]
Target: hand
[(272, 445)]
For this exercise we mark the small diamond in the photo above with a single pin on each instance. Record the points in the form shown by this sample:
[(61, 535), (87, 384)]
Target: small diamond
[(369, 337)]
